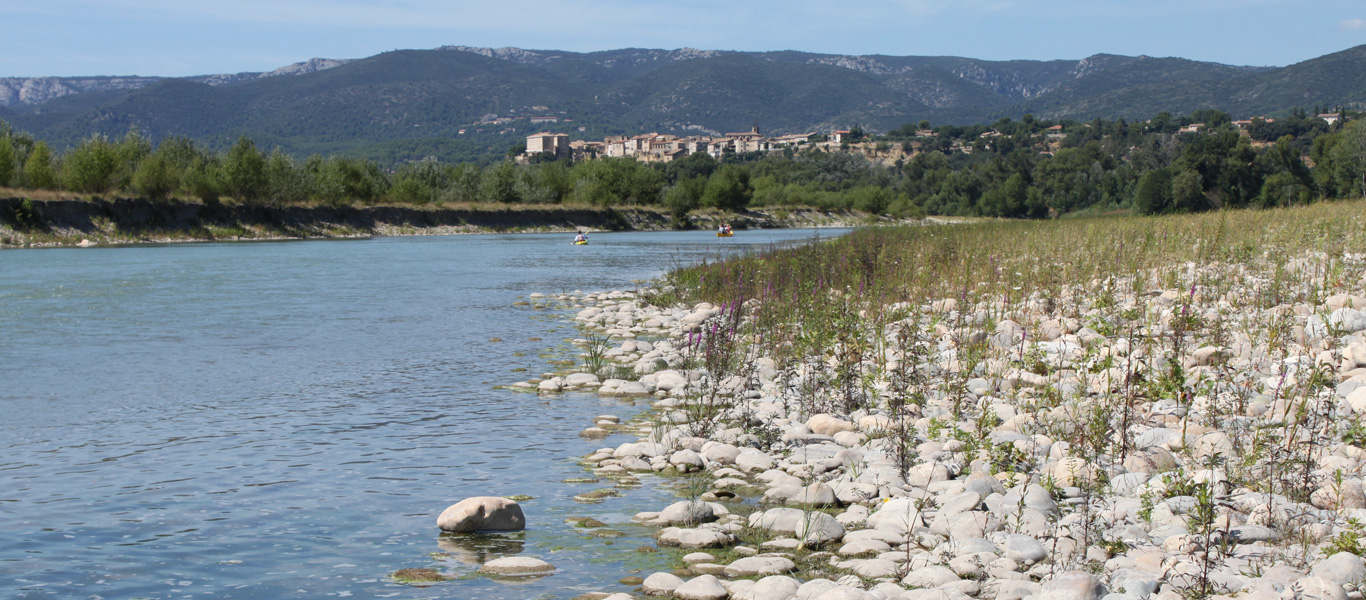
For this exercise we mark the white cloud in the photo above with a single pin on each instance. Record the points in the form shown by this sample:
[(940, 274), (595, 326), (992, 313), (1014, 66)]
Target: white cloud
[(1353, 24)]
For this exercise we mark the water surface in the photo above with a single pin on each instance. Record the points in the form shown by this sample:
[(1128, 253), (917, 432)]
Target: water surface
[(286, 419)]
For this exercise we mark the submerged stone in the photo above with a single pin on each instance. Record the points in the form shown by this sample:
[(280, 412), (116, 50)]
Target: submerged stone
[(417, 576)]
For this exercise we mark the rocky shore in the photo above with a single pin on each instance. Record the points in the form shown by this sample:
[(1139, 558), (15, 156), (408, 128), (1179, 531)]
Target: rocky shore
[(1171, 434)]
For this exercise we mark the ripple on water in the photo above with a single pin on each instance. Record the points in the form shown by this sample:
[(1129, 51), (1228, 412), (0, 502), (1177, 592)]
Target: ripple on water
[(287, 419)]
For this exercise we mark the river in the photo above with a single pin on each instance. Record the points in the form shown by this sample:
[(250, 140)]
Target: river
[(286, 419)]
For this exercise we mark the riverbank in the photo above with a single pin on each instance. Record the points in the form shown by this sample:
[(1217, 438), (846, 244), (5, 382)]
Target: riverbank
[(1153, 408), (27, 223)]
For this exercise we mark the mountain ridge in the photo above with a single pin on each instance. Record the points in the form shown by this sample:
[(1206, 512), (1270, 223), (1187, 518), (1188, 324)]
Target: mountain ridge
[(393, 104)]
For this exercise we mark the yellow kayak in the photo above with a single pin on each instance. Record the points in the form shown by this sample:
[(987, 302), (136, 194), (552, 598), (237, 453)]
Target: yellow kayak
[(719, 234), (583, 243)]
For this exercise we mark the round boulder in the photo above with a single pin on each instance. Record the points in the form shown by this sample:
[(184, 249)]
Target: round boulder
[(1073, 585), (702, 587), (774, 587), (1341, 568), (814, 527), (687, 513), (483, 513), (661, 584), (760, 565), (931, 576), (1023, 549), (825, 424)]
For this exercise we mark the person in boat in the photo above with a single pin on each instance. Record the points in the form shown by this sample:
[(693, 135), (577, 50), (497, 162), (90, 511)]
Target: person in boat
[(728, 229), (582, 237), (722, 228)]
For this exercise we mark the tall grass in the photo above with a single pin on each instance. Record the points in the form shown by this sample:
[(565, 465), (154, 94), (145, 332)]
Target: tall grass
[(1003, 262)]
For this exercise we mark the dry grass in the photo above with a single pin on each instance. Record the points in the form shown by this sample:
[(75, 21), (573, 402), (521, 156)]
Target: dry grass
[(1008, 260)]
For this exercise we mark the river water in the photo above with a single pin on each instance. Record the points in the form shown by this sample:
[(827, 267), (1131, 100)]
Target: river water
[(286, 419)]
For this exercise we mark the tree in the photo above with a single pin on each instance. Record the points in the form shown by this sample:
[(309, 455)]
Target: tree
[(872, 200), (728, 188), (464, 184), (285, 183), (130, 150), (244, 171), (155, 178), (1007, 199), (419, 183), (361, 180), (499, 184), (410, 190), (90, 166), (1154, 193), (1211, 117), (1283, 189), (1188, 192), (38, 170), (8, 161), (615, 181), (204, 179), (1348, 156), (684, 197), (697, 164)]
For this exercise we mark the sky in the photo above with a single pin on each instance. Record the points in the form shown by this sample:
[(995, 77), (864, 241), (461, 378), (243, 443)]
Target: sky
[(199, 37)]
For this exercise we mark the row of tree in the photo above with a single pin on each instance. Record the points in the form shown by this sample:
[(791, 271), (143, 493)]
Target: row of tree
[(1008, 169)]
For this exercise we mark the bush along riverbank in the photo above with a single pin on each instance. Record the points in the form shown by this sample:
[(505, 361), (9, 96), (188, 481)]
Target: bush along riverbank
[(25, 222), (1152, 408)]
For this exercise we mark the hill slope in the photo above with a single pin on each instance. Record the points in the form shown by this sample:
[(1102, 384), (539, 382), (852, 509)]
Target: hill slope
[(406, 104)]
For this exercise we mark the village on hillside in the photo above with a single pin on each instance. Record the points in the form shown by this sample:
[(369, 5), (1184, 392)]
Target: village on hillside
[(657, 147), (662, 148)]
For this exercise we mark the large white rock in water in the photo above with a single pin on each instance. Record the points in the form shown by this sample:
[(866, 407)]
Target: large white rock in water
[(482, 513), (687, 513), (702, 587), (516, 566), (774, 587), (660, 584), (760, 565), (693, 538), (812, 526), (721, 453)]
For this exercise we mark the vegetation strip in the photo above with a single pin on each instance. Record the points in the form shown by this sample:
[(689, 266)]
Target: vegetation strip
[(1029, 168)]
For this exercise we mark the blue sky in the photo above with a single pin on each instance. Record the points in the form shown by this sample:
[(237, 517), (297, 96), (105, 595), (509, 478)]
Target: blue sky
[(191, 37)]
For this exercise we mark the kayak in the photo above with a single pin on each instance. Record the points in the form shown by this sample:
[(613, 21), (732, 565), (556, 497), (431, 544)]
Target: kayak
[(583, 243), (719, 234)]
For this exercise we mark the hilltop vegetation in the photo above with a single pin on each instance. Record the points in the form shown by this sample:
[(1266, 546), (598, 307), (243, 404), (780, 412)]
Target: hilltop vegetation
[(1027, 168)]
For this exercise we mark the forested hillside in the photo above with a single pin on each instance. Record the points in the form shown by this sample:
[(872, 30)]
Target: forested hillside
[(1029, 168), (412, 104)]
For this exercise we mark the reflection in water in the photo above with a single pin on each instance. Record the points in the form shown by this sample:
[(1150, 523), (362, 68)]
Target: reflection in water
[(479, 548)]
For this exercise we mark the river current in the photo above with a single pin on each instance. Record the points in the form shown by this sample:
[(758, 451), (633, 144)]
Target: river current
[(286, 419)]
